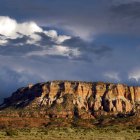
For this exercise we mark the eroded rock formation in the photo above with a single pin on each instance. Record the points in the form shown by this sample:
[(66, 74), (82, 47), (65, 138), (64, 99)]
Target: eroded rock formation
[(68, 99)]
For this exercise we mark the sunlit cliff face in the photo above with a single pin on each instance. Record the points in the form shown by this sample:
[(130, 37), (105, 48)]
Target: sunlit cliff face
[(68, 99)]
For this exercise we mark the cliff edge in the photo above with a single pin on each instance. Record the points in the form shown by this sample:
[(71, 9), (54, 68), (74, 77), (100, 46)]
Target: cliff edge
[(68, 99)]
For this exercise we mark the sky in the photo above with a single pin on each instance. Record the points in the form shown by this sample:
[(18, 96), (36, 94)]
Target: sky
[(88, 40)]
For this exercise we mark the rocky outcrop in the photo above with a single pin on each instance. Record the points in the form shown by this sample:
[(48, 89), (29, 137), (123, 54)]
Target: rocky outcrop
[(68, 99)]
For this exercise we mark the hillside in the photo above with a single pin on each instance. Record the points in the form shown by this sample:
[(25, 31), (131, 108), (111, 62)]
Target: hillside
[(102, 102)]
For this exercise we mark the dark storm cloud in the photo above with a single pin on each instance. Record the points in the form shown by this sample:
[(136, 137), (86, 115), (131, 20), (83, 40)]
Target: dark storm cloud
[(127, 17), (18, 40), (19, 47), (46, 40), (88, 48), (128, 10), (12, 50), (103, 51), (84, 18)]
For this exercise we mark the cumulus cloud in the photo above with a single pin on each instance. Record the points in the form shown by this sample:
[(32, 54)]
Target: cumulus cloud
[(11, 29), (29, 39)]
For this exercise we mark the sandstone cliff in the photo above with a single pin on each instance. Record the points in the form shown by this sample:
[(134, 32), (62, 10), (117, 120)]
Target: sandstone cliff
[(68, 99)]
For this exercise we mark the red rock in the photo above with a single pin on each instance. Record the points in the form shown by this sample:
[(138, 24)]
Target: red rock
[(94, 98)]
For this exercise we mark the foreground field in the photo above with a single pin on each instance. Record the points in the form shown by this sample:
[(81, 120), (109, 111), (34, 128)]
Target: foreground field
[(71, 133)]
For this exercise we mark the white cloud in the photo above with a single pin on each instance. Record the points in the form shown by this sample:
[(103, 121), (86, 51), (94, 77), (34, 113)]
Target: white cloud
[(56, 50), (134, 74), (29, 33), (112, 76), (11, 29), (7, 26), (62, 38), (34, 39), (55, 37), (51, 33)]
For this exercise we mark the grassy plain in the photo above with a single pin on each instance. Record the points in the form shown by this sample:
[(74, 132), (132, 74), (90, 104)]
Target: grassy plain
[(71, 133)]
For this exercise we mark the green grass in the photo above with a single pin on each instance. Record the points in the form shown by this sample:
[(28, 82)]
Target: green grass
[(71, 133)]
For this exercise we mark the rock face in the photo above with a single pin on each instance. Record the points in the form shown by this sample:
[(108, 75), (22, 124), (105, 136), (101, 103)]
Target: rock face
[(68, 99)]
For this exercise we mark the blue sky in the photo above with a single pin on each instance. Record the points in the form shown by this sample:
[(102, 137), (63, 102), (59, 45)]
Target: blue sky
[(88, 40)]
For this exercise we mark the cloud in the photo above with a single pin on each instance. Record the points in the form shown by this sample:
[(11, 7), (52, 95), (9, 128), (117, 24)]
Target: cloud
[(56, 50), (28, 39), (118, 2), (34, 54), (112, 76), (96, 16), (38, 54), (11, 80), (89, 50), (135, 74), (127, 10), (10, 29)]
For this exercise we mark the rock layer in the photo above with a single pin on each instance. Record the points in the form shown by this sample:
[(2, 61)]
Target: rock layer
[(75, 99)]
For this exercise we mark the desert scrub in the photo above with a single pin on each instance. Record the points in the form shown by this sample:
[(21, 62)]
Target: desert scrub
[(11, 132), (70, 133), (59, 108)]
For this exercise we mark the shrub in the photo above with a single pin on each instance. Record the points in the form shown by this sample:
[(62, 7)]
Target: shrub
[(10, 132), (138, 128)]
